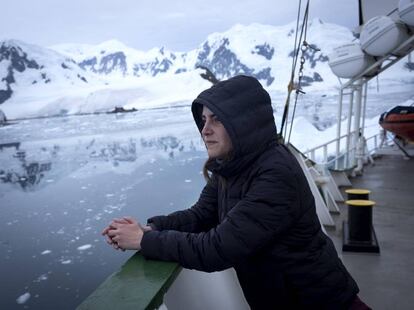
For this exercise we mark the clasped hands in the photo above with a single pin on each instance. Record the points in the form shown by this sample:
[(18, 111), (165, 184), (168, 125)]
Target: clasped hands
[(125, 234)]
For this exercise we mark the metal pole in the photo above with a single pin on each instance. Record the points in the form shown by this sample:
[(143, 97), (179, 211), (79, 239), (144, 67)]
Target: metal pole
[(338, 128), (357, 120), (365, 89), (348, 132)]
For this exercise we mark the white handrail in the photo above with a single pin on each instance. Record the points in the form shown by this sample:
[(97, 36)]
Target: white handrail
[(311, 153)]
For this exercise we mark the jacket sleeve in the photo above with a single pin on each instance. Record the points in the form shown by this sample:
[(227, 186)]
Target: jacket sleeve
[(200, 217), (266, 211)]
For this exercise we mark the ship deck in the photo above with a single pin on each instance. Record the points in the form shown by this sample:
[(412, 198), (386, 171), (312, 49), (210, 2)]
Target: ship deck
[(386, 279)]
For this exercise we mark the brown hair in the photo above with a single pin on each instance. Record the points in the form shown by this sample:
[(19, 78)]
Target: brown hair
[(208, 175)]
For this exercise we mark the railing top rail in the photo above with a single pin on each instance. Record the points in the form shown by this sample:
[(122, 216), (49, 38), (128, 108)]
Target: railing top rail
[(327, 143), (140, 284)]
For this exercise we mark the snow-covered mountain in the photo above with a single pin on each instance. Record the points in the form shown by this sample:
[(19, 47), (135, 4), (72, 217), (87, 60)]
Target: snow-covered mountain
[(114, 59), (260, 50), (24, 66), (73, 78)]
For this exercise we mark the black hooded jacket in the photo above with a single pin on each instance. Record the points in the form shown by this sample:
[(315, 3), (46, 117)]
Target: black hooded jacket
[(262, 221)]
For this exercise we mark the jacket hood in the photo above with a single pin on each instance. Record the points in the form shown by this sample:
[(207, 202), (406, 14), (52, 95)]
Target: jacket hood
[(244, 108)]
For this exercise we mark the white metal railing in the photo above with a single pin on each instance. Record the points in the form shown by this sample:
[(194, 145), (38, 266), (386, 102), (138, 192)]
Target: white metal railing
[(322, 154)]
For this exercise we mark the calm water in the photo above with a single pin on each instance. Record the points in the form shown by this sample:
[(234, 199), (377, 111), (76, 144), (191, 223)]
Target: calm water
[(62, 180)]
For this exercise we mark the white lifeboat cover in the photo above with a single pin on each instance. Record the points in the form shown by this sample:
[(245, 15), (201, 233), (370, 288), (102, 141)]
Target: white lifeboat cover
[(406, 11), (348, 60), (381, 35)]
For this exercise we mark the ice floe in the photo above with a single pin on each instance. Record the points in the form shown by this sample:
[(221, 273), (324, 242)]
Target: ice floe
[(84, 247), (23, 298)]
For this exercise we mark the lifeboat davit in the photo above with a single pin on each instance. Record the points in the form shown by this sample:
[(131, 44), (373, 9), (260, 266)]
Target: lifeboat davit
[(400, 121)]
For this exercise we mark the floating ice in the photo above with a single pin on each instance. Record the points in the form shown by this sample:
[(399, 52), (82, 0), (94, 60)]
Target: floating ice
[(46, 252), (84, 247), (149, 173), (23, 298), (187, 181), (42, 277), (65, 262), (109, 195)]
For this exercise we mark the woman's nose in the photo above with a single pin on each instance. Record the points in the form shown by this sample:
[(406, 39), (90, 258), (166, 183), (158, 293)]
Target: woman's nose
[(206, 129)]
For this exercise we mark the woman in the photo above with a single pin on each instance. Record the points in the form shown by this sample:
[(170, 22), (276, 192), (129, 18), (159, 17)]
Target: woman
[(256, 212)]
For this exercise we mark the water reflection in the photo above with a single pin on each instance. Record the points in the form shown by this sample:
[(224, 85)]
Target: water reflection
[(28, 174), (30, 168)]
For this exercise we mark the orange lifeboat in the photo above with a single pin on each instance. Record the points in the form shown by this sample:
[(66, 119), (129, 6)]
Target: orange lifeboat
[(400, 121)]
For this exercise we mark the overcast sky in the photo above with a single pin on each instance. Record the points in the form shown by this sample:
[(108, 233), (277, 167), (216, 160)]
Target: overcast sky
[(179, 25)]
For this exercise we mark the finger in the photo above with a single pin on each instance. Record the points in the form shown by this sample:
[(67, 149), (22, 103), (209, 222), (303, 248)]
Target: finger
[(114, 225), (121, 247), (121, 221), (115, 245), (105, 231), (129, 219), (113, 232), (114, 220), (109, 241)]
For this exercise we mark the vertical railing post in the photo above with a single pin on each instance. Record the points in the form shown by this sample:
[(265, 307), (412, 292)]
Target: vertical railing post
[(348, 131), (338, 127)]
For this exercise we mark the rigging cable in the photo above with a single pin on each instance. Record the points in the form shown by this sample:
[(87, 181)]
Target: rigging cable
[(304, 48), (291, 85)]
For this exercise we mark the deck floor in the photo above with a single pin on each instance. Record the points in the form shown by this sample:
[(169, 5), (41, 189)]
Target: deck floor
[(386, 280)]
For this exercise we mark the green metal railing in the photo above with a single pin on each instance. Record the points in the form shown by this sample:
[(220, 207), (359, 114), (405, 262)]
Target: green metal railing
[(140, 284)]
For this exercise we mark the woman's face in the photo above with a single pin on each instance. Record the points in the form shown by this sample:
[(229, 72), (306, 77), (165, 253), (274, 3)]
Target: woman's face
[(215, 136)]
